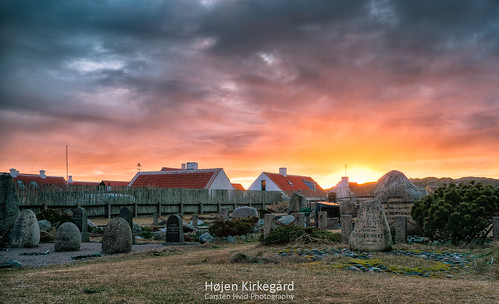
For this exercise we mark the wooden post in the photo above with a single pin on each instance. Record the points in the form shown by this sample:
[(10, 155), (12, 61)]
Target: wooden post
[(136, 207), (181, 208), (109, 209), (159, 208), (201, 207)]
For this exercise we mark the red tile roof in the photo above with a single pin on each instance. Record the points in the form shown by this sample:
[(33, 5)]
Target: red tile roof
[(238, 187), (49, 180), (292, 182), (187, 179)]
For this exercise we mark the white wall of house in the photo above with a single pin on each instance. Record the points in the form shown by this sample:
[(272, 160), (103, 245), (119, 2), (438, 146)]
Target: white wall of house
[(221, 182), (257, 184)]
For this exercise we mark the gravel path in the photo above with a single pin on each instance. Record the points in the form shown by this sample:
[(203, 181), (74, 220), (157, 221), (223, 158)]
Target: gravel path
[(60, 257)]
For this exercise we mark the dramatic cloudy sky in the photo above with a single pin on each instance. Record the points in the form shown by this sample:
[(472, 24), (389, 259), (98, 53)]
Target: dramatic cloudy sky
[(250, 86)]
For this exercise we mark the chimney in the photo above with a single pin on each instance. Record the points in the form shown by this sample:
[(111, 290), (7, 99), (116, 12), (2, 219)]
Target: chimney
[(192, 166), (283, 171), (14, 172), (42, 174), (183, 166), (70, 179)]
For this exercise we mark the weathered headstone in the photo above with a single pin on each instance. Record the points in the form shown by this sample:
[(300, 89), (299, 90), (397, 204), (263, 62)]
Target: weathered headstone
[(495, 232), (371, 232), (126, 213), (289, 219), (401, 229), (244, 212), (224, 213), (300, 219), (9, 208), (322, 220), (346, 228), (267, 224), (174, 229), (117, 237), (26, 232), (194, 221), (297, 202), (67, 237), (81, 221)]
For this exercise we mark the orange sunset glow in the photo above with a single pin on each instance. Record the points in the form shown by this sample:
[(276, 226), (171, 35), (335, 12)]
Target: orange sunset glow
[(251, 86)]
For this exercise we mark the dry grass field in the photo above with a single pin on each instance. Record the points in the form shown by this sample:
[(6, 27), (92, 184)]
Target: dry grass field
[(180, 274)]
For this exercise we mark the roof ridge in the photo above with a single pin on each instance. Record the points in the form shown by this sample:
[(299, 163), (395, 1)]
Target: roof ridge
[(212, 178)]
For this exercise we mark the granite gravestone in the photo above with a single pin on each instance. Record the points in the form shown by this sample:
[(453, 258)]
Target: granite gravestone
[(126, 214), (26, 232), (80, 220), (401, 229), (346, 228), (322, 220), (371, 231), (174, 229)]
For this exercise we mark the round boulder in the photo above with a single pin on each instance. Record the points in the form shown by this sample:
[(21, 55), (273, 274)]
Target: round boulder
[(244, 212), (117, 236), (26, 232), (395, 184), (67, 237)]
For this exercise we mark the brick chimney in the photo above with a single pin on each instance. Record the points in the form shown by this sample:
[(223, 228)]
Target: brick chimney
[(42, 174), (70, 179)]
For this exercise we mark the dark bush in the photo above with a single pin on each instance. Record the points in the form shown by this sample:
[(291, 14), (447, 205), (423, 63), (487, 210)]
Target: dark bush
[(146, 233), (291, 234), (457, 213), (233, 227), (55, 216)]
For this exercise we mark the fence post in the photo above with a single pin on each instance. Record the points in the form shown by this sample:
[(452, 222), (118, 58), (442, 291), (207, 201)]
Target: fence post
[(159, 208), (181, 208), (108, 209), (136, 207), (219, 207), (201, 206), (235, 205)]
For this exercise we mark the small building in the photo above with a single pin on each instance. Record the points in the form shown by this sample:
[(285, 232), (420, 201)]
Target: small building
[(285, 183), (35, 180), (189, 176)]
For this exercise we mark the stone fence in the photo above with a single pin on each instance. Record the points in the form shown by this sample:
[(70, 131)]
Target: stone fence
[(106, 202)]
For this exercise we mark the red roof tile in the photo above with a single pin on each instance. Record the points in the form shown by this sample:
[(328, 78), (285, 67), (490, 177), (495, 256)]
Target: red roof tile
[(49, 180), (187, 179), (292, 182), (238, 187)]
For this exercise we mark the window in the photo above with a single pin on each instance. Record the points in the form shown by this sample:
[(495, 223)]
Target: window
[(264, 185), (289, 182)]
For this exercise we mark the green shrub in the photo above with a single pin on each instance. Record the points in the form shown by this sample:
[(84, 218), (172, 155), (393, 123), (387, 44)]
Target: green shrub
[(55, 216), (294, 234), (457, 213), (233, 227), (146, 233)]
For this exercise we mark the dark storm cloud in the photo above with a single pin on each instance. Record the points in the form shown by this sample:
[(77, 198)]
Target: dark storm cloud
[(169, 62)]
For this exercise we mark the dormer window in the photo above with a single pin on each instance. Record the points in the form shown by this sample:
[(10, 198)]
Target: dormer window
[(20, 184), (34, 184)]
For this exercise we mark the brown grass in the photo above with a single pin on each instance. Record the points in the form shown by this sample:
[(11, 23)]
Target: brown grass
[(178, 275)]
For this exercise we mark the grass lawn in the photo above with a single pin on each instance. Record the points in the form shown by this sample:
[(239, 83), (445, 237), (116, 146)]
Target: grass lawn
[(180, 275)]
